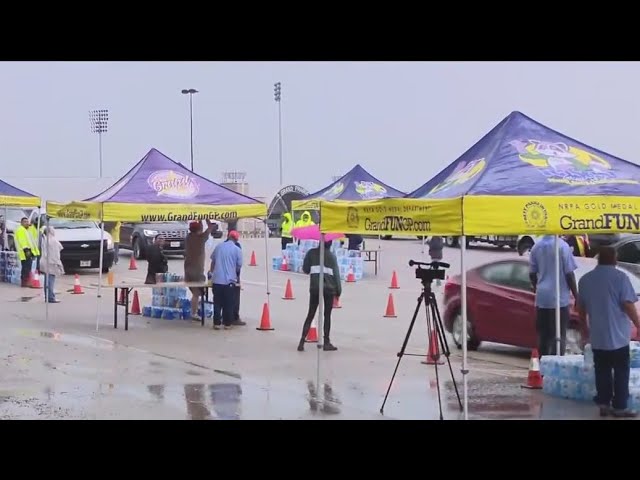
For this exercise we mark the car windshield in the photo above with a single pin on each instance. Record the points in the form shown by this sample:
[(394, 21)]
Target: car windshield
[(62, 223), (635, 280)]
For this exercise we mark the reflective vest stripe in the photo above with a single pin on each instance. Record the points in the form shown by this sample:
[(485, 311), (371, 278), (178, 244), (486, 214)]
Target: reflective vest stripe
[(316, 269)]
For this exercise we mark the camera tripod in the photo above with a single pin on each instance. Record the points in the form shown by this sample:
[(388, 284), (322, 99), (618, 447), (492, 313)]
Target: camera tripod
[(434, 326)]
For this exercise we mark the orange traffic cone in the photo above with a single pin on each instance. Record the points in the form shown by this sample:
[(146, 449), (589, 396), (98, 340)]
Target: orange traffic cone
[(265, 321), (288, 291), (336, 302), (77, 288), (252, 262), (534, 379), (394, 281), (350, 276), (132, 263), (110, 278), (135, 305), (285, 266), (433, 353), (312, 336), (121, 299), (391, 309), (34, 281)]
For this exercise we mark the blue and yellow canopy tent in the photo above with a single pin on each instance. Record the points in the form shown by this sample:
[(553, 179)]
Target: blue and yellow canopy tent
[(521, 177)]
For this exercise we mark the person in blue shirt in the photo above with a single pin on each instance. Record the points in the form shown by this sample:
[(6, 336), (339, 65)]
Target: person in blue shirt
[(226, 263), (236, 311), (542, 268), (607, 301)]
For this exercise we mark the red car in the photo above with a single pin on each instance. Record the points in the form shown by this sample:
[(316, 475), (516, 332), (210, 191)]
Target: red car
[(501, 306)]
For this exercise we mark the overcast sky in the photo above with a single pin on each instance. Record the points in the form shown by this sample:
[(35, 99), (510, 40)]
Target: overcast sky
[(402, 121)]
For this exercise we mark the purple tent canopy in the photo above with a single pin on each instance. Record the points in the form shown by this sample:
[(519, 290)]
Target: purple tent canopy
[(355, 185), (158, 179)]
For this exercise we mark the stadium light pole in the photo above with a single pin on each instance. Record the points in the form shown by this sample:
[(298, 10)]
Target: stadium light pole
[(98, 120), (277, 94), (191, 92)]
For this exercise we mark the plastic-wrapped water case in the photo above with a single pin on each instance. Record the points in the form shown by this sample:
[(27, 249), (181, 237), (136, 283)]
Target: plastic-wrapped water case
[(171, 314), (588, 355), (634, 352), (551, 386), (549, 366), (208, 310), (156, 312), (569, 388), (146, 311)]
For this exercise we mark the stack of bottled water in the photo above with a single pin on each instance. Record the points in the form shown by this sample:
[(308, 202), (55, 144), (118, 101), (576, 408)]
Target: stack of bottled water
[(573, 376), (10, 268), (294, 253), (172, 303)]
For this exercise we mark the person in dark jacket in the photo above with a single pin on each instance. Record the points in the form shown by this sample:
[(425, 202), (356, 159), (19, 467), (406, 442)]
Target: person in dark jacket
[(156, 261), (355, 241), (332, 288)]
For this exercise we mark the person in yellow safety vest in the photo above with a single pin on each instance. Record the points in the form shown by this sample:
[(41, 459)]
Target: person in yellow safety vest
[(35, 238), (115, 236), (579, 245), (287, 226), (26, 248), (305, 220)]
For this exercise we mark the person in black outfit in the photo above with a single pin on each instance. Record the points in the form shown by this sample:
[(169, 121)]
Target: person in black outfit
[(156, 261)]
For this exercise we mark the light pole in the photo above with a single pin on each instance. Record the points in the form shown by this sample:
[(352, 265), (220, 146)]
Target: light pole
[(98, 120), (277, 94), (190, 92)]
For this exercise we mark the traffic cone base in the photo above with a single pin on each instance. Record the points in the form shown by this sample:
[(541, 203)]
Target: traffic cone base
[(77, 288), (394, 281), (312, 336), (433, 353), (391, 309), (336, 302), (34, 281), (351, 278), (288, 291), (265, 320), (534, 378), (252, 262), (135, 305), (284, 267)]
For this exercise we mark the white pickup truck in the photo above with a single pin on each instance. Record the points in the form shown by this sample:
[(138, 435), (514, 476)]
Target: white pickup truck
[(80, 239)]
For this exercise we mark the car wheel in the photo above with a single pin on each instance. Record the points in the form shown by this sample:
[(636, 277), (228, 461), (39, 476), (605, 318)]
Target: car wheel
[(525, 245), (451, 242), (386, 237), (456, 333), (137, 251), (574, 343), (105, 269)]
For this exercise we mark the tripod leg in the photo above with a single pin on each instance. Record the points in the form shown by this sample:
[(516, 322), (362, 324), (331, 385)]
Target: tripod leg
[(431, 323), (402, 350), (442, 339)]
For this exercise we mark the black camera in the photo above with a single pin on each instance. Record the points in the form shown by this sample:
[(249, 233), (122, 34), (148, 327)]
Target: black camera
[(434, 270)]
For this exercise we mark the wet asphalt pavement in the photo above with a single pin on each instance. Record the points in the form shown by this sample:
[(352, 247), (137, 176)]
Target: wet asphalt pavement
[(62, 368)]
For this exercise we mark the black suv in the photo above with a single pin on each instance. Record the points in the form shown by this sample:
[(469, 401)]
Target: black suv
[(136, 237)]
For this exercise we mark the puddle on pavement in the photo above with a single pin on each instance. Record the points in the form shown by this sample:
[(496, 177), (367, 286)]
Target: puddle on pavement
[(70, 339)]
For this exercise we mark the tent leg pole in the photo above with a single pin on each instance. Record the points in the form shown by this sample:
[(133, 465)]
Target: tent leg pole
[(100, 274), (266, 261), (320, 315), (557, 278), (465, 370)]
